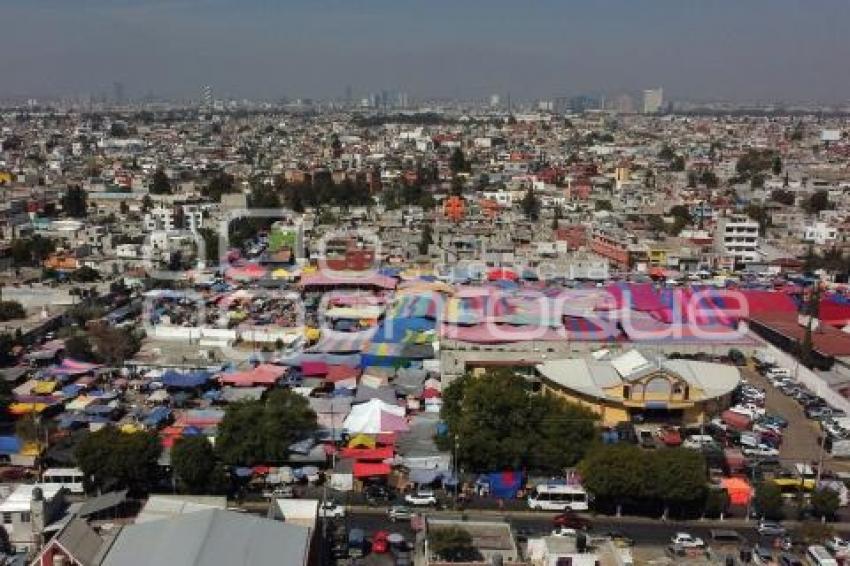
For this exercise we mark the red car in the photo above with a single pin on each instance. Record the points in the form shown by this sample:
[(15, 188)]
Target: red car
[(572, 521), (670, 436), (380, 542)]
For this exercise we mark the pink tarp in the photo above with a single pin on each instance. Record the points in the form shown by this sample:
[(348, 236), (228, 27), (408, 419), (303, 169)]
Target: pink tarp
[(263, 374), (393, 423), (348, 279)]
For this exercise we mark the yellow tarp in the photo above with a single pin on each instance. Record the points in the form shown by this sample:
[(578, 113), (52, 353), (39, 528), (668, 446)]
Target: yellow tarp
[(362, 440), (312, 334), (30, 449), (26, 408), (44, 387), (129, 428)]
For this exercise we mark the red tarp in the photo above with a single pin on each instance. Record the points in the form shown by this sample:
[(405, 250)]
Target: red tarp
[(263, 374), (736, 420), (312, 369), (366, 469), (739, 490), (338, 373), (383, 453), (834, 313)]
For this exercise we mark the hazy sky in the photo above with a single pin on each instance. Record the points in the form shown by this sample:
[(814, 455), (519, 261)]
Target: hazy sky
[(703, 49)]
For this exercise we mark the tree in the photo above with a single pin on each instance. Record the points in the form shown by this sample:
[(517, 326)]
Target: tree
[(666, 153), (114, 345), (768, 501), (75, 202), (160, 183), (111, 459), (254, 432), (475, 409), (457, 162), (603, 204), (776, 166), (615, 474), (557, 214), (678, 164), (426, 240), (85, 274), (679, 478), (817, 202), (220, 184), (783, 197), (10, 310), (211, 242), (760, 215), (716, 503), (78, 347), (196, 468), (709, 179), (825, 502), (530, 205), (453, 544)]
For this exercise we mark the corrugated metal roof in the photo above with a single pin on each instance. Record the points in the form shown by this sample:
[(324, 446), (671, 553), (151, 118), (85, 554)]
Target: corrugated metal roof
[(212, 538)]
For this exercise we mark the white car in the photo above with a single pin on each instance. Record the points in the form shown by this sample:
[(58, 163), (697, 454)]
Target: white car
[(564, 532), (421, 498), (761, 451), (686, 540), (838, 546), (698, 441), (331, 510)]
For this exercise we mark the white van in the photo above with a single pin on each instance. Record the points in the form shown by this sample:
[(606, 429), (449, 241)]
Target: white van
[(777, 372), (552, 497), (69, 478), (819, 556)]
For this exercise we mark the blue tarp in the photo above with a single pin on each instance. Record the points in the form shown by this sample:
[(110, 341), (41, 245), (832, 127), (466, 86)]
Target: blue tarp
[(157, 416), (395, 330), (71, 390), (98, 410), (503, 484), (184, 380), (9, 445)]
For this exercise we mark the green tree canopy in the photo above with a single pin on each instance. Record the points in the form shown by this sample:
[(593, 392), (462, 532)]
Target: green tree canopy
[(783, 197), (219, 185), (453, 544), (255, 432), (75, 202), (11, 310), (111, 459), (196, 467), (530, 205), (160, 183), (825, 503), (494, 415), (817, 202), (768, 501), (457, 162)]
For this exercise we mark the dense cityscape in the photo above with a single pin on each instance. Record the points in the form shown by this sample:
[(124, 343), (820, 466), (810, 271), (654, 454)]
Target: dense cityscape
[(608, 326)]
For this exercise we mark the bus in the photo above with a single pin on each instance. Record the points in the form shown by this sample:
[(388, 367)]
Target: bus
[(69, 478), (791, 487), (819, 556), (546, 497)]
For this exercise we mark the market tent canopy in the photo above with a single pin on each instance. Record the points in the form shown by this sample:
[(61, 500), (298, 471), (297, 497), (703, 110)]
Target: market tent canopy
[(739, 490), (187, 380), (353, 279), (375, 417), (370, 469), (263, 374)]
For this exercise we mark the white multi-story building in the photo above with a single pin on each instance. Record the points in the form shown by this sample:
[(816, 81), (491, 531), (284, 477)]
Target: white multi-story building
[(162, 218), (653, 100), (26, 510), (820, 233), (737, 238)]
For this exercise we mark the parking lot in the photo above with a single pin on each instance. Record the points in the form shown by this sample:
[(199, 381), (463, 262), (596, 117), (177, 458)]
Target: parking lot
[(801, 439)]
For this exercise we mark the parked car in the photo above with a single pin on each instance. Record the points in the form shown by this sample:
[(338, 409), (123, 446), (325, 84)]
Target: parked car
[(380, 542), (572, 521), (564, 532), (376, 494), (420, 498), (838, 546), (762, 451), (670, 436), (698, 441), (686, 540), (786, 559), (770, 529), (646, 440), (331, 510), (399, 513)]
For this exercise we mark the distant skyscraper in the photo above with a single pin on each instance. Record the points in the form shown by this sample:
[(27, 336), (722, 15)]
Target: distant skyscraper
[(207, 98), (653, 100), (349, 96), (624, 104), (495, 100), (118, 93)]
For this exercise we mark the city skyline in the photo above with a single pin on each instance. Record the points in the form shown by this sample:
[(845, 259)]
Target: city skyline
[(778, 51)]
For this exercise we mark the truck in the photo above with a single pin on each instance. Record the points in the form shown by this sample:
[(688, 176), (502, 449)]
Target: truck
[(735, 420)]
